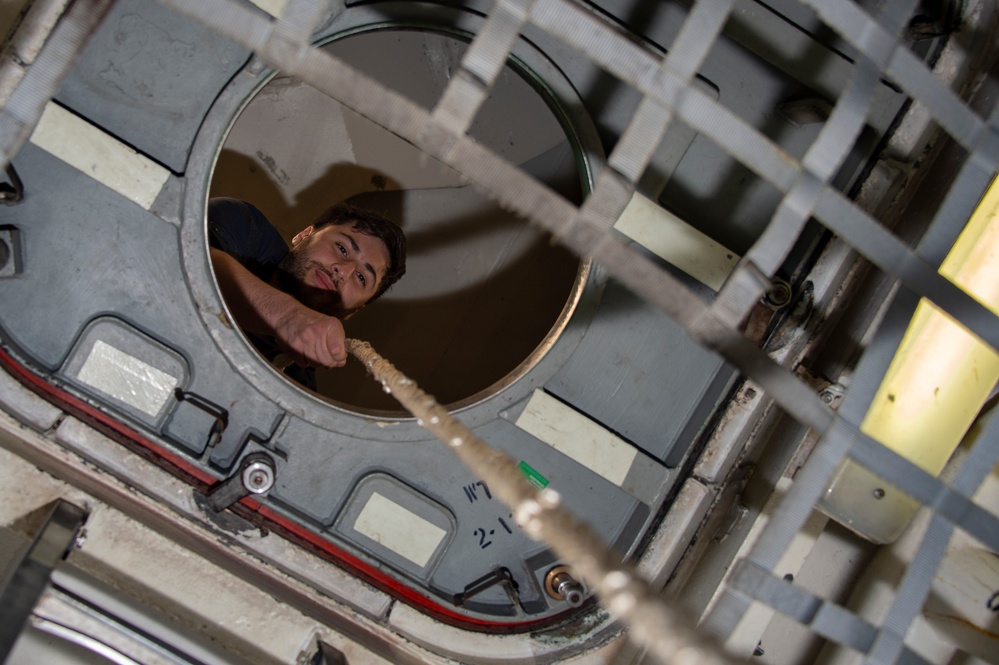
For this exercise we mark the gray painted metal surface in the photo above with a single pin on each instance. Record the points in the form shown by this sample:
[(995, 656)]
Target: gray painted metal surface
[(641, 376), (144, 78), (117, 276), (799, 130)]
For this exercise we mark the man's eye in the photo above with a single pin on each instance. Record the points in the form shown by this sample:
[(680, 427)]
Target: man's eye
[(363, 280), (343, 250)]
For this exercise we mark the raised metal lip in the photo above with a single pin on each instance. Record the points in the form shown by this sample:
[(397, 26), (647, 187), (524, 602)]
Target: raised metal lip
[(544, 84), (515, 374)]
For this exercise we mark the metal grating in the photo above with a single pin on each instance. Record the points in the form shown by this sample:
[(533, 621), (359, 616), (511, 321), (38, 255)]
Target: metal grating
[(667, 91)]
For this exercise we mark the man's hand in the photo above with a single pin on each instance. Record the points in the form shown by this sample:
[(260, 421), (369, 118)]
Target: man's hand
[(311, 338), (308, 337)]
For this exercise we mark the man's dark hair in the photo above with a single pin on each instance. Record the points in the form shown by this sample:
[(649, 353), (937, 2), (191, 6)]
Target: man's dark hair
[(372, 224)]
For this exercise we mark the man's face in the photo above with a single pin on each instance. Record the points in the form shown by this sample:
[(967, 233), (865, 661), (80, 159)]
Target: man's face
[(334, 270)]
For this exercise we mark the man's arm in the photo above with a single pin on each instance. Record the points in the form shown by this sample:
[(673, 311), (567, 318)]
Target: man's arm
[(308, 336)]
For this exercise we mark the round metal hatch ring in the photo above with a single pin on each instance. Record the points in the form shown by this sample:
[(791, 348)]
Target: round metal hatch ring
[(531, 64)]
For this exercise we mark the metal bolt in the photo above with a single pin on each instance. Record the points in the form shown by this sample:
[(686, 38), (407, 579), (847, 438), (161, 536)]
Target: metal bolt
[(879, 493), (258, 477), (255, 476), (778, 296), (561, 585), (831, 393)]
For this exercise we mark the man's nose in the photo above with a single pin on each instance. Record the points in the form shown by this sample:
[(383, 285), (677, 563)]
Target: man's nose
[(343, 270)]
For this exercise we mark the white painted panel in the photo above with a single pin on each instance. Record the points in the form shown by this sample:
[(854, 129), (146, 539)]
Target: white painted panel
[(126, 378), (399, 529), (576, 436), (273, 7), (99, 155), (672, 239)]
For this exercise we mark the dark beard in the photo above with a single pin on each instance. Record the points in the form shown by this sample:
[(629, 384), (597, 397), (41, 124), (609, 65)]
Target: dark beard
[(289, 276)]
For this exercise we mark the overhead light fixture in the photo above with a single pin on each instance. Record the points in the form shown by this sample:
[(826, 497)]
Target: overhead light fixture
[(935, 387)]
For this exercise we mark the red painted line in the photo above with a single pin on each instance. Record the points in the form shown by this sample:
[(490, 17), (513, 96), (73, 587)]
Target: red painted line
[(91, 414), (378, 578), (289, 529)]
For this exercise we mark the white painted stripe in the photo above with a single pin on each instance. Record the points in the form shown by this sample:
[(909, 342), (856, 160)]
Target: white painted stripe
[(672, 239), (99, 155), (273, 7), (126, 378), (576, 436), (399, 529)]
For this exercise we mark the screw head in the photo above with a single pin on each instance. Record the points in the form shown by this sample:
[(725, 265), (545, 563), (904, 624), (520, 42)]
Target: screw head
[(778, 295), (258, 477)]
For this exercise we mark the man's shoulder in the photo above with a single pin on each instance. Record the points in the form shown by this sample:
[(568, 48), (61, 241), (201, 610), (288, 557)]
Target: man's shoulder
[(239, 228)]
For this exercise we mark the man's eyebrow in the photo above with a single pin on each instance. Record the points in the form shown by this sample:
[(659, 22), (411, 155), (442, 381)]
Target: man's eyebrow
[(367, 266)]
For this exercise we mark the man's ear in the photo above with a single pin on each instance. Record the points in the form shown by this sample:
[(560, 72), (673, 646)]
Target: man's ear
[(302, 235)]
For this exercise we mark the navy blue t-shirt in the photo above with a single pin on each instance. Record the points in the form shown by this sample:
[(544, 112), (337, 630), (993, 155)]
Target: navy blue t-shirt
[(239, 229)]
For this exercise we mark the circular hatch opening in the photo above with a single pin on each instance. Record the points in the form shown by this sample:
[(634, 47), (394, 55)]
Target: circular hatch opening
[(485, 294)]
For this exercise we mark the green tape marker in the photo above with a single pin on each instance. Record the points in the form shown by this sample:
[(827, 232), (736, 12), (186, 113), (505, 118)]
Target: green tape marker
[(533, 476)]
